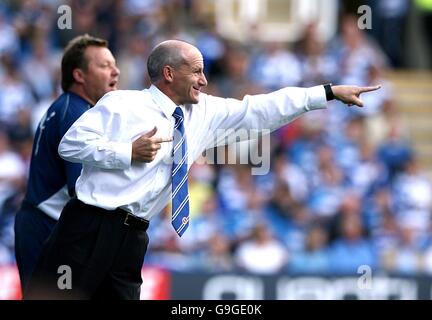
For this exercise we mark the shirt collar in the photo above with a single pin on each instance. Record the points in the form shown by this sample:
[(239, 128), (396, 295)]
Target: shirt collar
[(77, 97), (163, 101)]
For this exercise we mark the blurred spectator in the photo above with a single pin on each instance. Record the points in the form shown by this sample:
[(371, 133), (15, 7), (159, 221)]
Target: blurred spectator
[(280, 209), (235, 81), (385, 236), (378, 209), (378, 126), (7, 219), (355, 52), (203, 227), (133, 63), (389, 27), (14, 93), (373, 105), (368, 174), (218, 256), (427, 260), (9, 39), (236, 187), (31, 20), (327, 192), (395, 151), (317, 65), (201, 192), (38, 69), (405, 258), (315, 258), (350, 206), (165, 250), (261, 254), (12, 169), (292, 175), (303, 149), (347, 145), (351, 250), (212, 48), (294, 237), (276, 67), (413, 196)]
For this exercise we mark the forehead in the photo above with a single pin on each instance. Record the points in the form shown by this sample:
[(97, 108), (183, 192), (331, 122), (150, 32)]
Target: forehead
[(98, 53), (193, 56)]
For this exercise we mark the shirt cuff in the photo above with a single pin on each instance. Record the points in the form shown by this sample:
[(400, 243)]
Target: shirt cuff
[(316, 98), (123, 155)]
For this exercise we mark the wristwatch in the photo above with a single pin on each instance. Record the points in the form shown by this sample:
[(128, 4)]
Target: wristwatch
[(329, 91)]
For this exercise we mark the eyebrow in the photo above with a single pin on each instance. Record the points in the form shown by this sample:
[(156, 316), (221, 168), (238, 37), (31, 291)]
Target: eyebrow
[(107, 61)]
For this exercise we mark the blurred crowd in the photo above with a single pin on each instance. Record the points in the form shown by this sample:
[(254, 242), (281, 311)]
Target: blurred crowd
[(344, 187)]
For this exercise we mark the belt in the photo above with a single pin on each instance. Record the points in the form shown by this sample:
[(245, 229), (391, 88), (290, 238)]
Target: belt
[(127, 218), (133, 221)]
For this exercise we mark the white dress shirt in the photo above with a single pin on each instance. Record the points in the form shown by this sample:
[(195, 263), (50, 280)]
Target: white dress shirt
[(101, 139)]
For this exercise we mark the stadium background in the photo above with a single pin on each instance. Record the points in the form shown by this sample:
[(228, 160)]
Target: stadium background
[(345, 211)]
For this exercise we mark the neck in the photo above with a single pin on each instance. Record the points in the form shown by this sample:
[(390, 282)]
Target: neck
[(167, 91), (79, 91)]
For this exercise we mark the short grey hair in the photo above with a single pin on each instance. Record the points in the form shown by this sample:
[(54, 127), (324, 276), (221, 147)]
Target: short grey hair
[(166, 53)]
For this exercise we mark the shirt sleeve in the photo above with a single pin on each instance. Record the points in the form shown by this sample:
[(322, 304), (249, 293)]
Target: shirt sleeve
[(264, 112), (68, 116), (95, 138)]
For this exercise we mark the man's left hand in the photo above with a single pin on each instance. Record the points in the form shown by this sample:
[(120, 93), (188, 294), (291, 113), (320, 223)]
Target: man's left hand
[(350, 95)]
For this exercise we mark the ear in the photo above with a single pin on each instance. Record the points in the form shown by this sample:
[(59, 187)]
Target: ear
[(168, 73), (78, 75)]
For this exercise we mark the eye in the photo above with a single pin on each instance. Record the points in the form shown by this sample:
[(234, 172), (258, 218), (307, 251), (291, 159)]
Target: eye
[(107, 65)]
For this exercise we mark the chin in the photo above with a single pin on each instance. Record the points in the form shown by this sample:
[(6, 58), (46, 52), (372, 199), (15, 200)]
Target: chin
[(195, 100)]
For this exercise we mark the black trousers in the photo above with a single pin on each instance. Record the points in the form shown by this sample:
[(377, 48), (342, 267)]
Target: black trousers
[(32, 229), (92, 253)]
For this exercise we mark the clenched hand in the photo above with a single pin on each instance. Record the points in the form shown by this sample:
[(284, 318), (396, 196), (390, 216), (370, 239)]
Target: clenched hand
[(145, 148)]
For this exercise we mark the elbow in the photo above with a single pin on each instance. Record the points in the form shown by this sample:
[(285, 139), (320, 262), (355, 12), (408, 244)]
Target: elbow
[(65, 151), (61, 149)]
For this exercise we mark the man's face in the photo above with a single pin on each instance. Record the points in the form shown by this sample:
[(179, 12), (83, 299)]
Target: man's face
[(101, 75), (189, 78)]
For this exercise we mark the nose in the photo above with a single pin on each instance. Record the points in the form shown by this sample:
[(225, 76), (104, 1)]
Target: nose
[(116, 71), (202, 81)]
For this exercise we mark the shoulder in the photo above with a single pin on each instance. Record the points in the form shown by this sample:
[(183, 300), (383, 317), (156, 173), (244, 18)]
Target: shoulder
[(67, 105), (123, 95), (122, 99)]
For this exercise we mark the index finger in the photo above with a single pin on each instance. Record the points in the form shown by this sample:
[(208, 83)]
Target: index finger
[(160, 140), (367, 89)]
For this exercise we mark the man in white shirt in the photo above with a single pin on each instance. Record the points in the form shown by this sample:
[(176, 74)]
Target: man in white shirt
[(101, 235)]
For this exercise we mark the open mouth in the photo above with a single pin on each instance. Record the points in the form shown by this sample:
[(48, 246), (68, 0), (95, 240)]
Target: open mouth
[(113, 84)]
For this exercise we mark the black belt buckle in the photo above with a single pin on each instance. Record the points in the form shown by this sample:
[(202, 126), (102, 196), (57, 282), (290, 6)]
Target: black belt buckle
[(125, 222), (133, 221)]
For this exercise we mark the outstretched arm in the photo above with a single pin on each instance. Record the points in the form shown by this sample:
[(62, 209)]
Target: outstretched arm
[(350, 95), (270, 111)]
